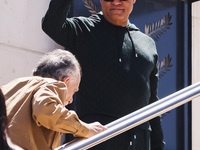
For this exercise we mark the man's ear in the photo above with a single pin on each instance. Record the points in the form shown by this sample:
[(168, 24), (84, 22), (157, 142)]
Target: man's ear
[(134, 1), (66, 80)]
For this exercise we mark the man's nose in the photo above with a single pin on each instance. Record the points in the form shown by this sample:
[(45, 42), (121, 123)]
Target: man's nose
[(116, 2)]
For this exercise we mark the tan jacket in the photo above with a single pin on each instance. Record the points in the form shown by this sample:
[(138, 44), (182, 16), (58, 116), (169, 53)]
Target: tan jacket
[(36, 114)]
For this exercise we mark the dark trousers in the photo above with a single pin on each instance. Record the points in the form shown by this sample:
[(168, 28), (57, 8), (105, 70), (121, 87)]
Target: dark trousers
[(135, 139), (140, 140)]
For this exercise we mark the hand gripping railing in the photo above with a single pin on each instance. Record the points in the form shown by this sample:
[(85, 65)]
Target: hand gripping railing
[(136, 118)]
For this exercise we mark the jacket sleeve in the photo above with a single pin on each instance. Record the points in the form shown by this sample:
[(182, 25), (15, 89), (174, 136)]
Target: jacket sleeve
[(54, 22), (49, 111), (157, 142), (63, 30)]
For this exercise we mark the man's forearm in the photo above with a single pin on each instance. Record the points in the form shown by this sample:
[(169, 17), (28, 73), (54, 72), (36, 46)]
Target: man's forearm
[(59, 7), (54, 19)]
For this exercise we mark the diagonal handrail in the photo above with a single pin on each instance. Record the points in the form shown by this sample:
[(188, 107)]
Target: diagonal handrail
[(136, 118)]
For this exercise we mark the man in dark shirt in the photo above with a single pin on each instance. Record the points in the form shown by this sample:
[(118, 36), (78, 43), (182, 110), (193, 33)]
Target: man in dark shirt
[(119, 64)]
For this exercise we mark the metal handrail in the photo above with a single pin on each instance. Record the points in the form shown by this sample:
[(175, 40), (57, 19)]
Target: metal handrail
[(136, 118)]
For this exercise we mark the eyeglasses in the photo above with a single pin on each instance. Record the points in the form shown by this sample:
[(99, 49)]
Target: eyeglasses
[(113, 0)]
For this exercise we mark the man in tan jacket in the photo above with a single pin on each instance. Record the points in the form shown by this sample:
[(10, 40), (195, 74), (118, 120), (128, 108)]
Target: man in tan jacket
[(36, 111)]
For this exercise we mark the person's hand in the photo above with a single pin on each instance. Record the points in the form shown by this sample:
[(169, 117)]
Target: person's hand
[(95, 128)]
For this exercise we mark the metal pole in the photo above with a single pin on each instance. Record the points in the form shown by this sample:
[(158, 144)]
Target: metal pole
[(138, 117)]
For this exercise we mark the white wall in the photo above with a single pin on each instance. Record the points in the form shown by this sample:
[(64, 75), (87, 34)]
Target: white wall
[(195, 73), (22, 41)]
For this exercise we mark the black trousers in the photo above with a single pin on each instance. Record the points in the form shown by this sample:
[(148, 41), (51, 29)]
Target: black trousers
[(136, 139)]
